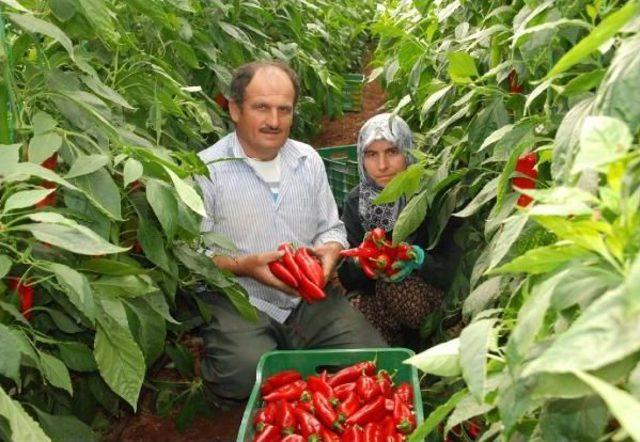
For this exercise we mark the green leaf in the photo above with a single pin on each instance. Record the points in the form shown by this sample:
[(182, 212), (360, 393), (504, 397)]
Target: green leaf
[(147, 327), (187, 193), (26, 198), (434, 98), (566, 143), (112, 267), (32, 24), (581, 284), (75, 238), (475, 341), (105, 91), (77, 288), (583, 83), (561, 201), (542, 259), (9, 156), (487, 193), (42, 123), (102, 191), (119, 359), (43, 146), (5, 265), (77, 356), (505, 176), (55, 372), (10, 350), (603, 32), (132, 171), (495, 136), (23, 427), (462, 66), (411, 216), (569, 420), (62, 321), (467, 408), (621, 404), (64, 428), (164, 205), (438, 415), (509, 232), (405, 183), (240, 300), (440, 360), (124, 286), (218, 240), (618, 91), (605, 325), (603, 140), (86, 164), (586, 234), (15, 5), (153, 244), (481, 297)]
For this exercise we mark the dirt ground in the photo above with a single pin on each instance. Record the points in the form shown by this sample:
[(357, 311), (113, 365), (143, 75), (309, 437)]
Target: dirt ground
[(223, 425)]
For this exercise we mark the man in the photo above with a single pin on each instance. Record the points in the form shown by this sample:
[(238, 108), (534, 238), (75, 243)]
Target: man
[(276, 192)]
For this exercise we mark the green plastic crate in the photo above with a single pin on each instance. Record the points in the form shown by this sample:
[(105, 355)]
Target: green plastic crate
[(308, 362), (342, 170)]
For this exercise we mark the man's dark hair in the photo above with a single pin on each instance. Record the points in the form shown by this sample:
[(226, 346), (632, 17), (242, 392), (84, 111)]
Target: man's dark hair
[(244, 74)]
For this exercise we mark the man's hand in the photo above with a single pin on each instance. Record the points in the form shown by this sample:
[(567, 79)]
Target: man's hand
[(328, 254), (255, 267)]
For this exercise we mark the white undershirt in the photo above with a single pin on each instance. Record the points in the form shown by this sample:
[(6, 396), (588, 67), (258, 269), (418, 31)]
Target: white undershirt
[(269, 171)]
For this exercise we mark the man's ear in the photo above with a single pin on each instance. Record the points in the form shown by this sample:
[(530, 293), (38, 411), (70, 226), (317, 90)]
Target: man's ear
[(234, 111)]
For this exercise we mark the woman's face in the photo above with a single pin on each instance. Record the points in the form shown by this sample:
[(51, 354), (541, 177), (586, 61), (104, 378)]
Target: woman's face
[(383, 161)]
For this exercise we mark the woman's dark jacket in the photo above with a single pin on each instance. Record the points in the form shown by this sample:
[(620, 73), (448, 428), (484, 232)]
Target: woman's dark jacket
[(439, 265)]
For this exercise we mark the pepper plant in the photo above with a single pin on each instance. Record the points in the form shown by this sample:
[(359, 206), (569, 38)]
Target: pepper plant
[(549, 285), (103, 106)]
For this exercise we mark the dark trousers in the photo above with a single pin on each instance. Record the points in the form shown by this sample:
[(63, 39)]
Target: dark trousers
[(233, 345)]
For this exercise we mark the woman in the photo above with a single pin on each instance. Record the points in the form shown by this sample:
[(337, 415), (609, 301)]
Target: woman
[(383, 147)]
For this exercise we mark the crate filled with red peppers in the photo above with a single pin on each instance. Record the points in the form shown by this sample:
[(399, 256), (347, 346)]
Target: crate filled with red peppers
[(333, 395)]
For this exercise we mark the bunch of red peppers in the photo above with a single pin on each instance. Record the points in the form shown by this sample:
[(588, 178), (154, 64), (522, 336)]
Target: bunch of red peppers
[(525, 167), (24, 292), (380, 259), (299, 269), (356, 404)]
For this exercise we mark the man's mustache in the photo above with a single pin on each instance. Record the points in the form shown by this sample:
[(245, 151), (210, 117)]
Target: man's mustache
[(267, 130)]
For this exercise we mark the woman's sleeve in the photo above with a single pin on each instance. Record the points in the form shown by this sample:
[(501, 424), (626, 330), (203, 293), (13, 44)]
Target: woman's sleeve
[(351, 277)]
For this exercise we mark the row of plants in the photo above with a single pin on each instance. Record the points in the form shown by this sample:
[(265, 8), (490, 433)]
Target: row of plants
[(103, 106), (528, 121)]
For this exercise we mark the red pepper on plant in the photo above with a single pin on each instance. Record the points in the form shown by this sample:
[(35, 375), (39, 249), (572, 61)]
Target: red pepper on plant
[(514, 86), (373, 411), (25, 294), (221, 101), (51, 162), (269, 433), (279, 379), (289, 392), (525, 166), (352, 373), (49, 200), (473, 429)]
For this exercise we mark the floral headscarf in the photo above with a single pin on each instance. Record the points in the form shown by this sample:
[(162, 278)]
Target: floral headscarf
[(395, 130)]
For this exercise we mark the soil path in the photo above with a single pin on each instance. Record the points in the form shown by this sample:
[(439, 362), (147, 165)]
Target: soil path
[(223, 425)]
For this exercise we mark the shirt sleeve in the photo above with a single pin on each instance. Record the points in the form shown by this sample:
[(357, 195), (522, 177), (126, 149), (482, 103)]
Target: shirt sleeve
[(330, 227)]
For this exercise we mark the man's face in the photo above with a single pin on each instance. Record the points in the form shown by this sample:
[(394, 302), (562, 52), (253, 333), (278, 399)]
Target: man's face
[(383, 161), (263, 121)]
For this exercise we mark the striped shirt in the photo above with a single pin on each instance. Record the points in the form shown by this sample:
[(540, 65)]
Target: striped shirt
[(239, 205)]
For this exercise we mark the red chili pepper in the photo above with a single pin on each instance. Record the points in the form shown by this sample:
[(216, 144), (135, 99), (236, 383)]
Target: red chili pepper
[(325, 412), (309, 266), (289, 392), (280, 271), (309, 425), (405, 392), (49, 200), (367, 268), (473, 430), (342, 391), (294, 438), (525, 166), (381, 262), (352, 373), (514, 86), (285, 418), (403, 416), (269, 433), (309, 291), (135, 185), (385, 383), (25, 294), (289, 260), (389, 431), (222, 101), (372, 432), (353, 434), (306, 405), (378, 235), (327, 435), (136, 247), (349, 406), (51, 162), (266, 415), (279, 379), (373, 411), (388, 405), (368, 388), (404, 252), (319, 385)]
